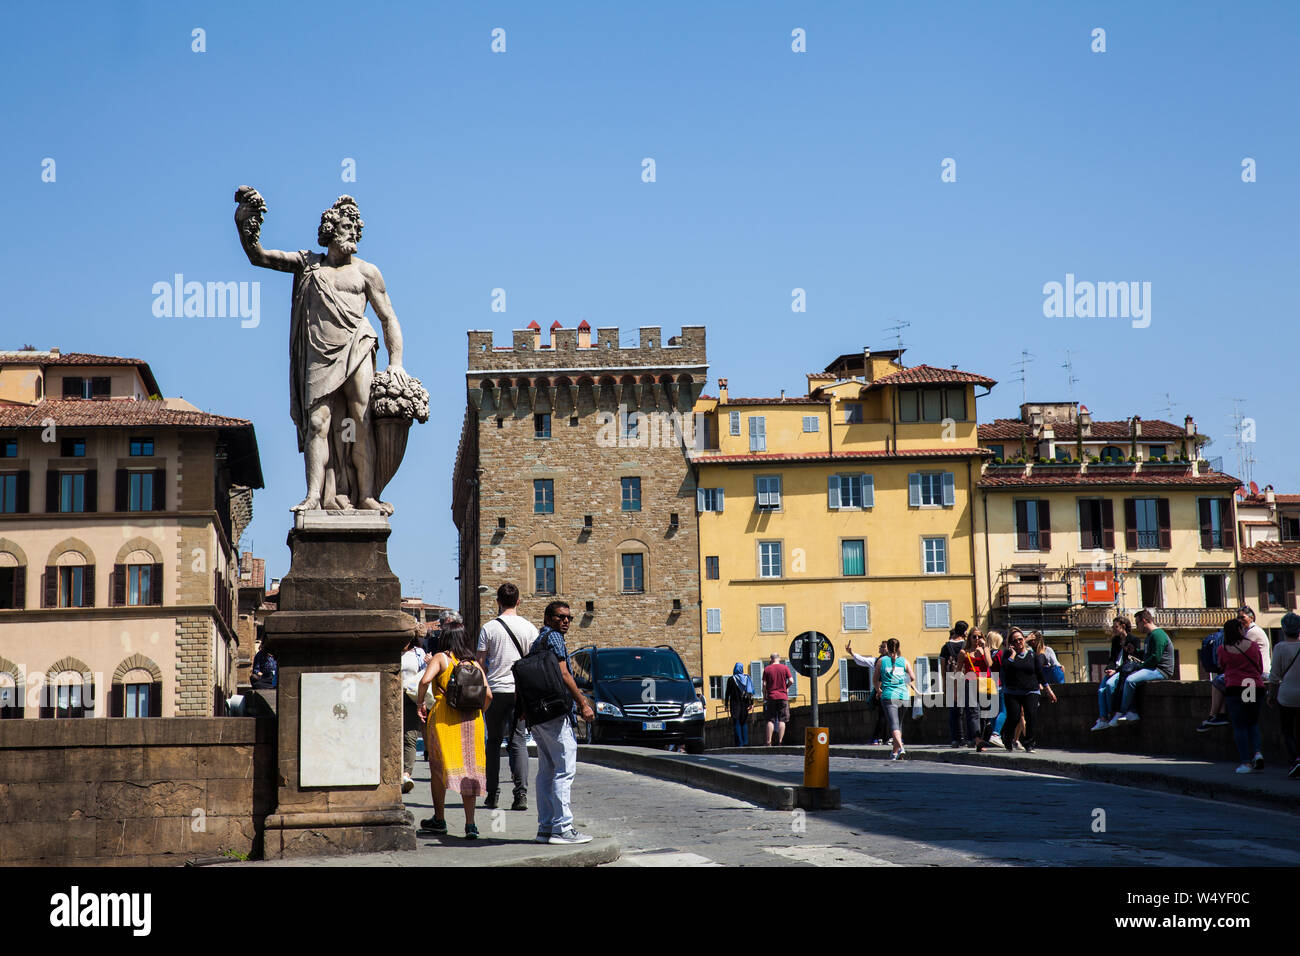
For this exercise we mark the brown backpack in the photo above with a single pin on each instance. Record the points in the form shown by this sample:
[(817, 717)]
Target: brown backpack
[(466, 687)]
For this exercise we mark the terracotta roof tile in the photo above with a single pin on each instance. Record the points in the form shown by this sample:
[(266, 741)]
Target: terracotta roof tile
[(1013, 428), (1271, 552), (929, 375), (79, 358), (710, 458), (1018, 479), (796, 400), (123, 412)]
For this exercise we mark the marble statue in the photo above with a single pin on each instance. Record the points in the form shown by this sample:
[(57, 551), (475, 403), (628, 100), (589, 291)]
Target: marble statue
[(352, 421)]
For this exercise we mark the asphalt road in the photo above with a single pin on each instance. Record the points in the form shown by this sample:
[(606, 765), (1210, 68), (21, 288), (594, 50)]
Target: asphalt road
[(928, 814)]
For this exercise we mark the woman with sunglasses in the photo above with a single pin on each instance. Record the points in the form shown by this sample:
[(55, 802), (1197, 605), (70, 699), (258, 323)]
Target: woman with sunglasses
[(1023, 682)]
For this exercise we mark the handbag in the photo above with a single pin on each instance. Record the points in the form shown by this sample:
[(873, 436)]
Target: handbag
[(1129, 667)]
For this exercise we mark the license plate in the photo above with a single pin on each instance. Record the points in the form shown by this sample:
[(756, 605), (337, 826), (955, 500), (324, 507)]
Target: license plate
[(652, 725)]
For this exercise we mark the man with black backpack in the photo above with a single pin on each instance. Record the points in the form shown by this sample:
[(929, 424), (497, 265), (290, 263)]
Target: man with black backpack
[(501, 642), (549, 699)]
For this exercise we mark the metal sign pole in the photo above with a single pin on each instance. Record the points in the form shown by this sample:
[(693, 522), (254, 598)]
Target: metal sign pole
[(815, 670)]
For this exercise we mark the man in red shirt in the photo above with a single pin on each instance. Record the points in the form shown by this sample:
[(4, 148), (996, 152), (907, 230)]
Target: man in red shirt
[(776, 697)]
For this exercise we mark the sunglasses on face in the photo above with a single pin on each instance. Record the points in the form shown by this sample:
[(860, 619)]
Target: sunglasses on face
[(563, 617)]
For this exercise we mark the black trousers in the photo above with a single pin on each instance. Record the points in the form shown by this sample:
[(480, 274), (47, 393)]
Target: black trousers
[(1027, 705), (501, 725), (1290, 720)]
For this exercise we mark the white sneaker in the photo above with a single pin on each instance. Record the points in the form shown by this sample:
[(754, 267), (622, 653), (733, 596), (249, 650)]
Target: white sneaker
[(995, 741), (1245, 768), (407, 783), (569, 836), (1131, 716), (1101, 724), (1114, 721)]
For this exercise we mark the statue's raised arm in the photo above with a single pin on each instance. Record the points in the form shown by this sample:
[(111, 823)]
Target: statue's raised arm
[(248, 220)]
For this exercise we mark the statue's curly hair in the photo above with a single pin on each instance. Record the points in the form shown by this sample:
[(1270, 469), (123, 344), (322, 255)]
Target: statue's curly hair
[(344, 207)]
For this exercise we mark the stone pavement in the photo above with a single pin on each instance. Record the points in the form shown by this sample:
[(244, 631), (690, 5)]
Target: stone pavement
[(1200, 778), (507, 838)]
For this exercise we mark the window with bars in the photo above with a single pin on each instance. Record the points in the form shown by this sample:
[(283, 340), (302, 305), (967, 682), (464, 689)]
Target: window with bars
[(543, 574), (1033, 525), (711, 570), (543, 496)]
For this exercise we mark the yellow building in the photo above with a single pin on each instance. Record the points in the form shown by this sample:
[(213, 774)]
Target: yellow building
[(1078, 521), (845, 511)]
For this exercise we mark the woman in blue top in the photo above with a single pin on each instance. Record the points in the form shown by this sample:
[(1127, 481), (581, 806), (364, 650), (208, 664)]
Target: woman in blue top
[(893, 681)]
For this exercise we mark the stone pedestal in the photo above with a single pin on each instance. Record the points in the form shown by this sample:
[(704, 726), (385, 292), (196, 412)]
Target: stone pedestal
[(338, 636)]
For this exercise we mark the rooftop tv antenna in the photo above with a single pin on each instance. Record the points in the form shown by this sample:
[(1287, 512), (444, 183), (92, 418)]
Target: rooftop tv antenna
[(898, 332), (1240, 428), (1168, 410), (1023, 378), (1068, 365)]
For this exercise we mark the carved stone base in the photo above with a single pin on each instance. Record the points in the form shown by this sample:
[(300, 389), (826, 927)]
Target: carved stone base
[(293, 835)]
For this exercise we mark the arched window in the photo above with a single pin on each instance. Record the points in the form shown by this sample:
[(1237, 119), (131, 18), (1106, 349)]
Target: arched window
[(137, 689), (544, 565), (13, 576), (70, 580), (11, 691), (633, 569), (1062, 454), (1112, 453), (69, 690)]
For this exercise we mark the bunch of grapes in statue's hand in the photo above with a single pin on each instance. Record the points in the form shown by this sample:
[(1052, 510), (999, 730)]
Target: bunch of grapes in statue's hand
[(250, 212)]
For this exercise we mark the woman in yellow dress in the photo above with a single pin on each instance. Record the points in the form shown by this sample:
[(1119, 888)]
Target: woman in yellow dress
[(453, 738)]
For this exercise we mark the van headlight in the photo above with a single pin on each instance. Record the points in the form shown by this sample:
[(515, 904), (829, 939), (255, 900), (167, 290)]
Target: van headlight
[(693, 709), (609, 710)]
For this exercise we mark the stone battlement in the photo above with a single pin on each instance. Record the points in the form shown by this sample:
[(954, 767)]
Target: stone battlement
[(580, 349)]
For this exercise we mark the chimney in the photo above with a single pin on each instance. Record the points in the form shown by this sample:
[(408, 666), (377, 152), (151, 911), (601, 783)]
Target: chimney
[(722, 391), (54, 351), (1268, 494), (783, 395), (1047, 443), (1085, 422), (537, 334), (554, 326), (1189, 427), (1137, 426), (866, 363), (584, 334)]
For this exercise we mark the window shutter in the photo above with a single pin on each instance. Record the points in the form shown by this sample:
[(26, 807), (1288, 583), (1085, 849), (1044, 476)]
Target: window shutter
[(794, 687), (949, 489), (51, 491), (48, 694), (160, 489), (844, 679), (868, 491), (1044, 525), (1162, 512), (88, 586), (1289, 580), (121, 489), (1022, 525), (1207, 537), (155, 699), (1130, 524), (116, 705), (1261, 579), (92, 490), (100, 387), (1107, 524), (155, 585), (1226, 520), (699, 499), (117, 585), (720, 496), (22, 494), (50, 587), (833, 492), (756, 675), (914, 490), (20, 587), (733, 422)]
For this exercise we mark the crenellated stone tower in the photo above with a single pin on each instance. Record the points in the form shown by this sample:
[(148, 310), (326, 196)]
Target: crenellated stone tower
[(572, 481)]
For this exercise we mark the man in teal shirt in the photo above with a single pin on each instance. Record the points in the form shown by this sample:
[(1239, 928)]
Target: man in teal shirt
[(1157, 662)]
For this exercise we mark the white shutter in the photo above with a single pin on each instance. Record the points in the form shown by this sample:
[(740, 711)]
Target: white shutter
[(699, 500), (844, 678), (779, 616), (756, 675), (757, 433), (931, 614), (914, 490), (713, 617), (734, 422), (720, 498), (833, 492), (868, 491), (949, 489)]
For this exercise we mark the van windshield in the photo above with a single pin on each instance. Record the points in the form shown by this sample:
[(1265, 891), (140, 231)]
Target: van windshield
[(621, 664)]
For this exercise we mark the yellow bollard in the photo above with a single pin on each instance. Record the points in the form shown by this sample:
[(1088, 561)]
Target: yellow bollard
[(816, 757)]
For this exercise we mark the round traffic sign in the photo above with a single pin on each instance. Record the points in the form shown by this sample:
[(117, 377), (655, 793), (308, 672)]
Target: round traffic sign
[(808, 646)]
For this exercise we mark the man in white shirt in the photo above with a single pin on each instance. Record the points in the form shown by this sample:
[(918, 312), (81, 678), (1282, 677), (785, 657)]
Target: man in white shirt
[(413, 659), (1256, 634), (501, 642), (882, 725)]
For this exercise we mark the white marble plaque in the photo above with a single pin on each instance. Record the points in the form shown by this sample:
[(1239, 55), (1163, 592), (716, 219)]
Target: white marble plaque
[(338, 743)]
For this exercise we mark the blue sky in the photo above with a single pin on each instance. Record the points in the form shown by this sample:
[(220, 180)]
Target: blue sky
[(775, 170)]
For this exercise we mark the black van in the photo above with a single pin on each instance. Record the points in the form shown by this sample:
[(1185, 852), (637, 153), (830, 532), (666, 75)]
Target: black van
[(641, 695)]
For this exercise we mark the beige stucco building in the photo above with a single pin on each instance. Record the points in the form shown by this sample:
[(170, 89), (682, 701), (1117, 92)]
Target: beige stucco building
[(1268, 555), (1079, 521), (120, 512)]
